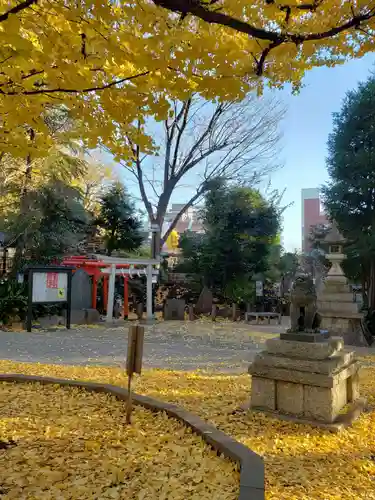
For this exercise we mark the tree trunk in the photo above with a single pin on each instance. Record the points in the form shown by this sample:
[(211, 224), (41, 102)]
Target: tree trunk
[(24, 210), (371, 286)]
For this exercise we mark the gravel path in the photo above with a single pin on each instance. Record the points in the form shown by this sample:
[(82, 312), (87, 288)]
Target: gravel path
[(172, 345), (169, 345)]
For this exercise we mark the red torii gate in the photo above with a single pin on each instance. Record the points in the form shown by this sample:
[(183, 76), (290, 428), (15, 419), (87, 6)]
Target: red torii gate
[(94, 268)]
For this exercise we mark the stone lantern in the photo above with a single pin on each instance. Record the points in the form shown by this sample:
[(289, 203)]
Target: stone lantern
[(335, 255), (339, 313), (308, 377)]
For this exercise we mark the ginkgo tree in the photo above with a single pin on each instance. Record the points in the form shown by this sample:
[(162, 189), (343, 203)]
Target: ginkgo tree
[(111, 62), (201, 143)]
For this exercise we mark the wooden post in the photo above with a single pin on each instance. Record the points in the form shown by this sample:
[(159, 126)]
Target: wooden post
[(139, 310), (149, 300), (129, 403), (248, 310), (29, 318), (214, 312), (234, 312), (191, 313), (69, 301), (133, 362)]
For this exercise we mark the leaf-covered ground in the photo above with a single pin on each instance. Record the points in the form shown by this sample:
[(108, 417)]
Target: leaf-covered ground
[(301, 462), (70, 444)]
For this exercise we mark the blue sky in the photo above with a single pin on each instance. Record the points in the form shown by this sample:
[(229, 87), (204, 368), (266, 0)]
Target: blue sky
[(306, 126)]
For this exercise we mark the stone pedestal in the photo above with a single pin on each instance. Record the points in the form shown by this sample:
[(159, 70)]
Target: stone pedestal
[(339, 313), (308, 381)]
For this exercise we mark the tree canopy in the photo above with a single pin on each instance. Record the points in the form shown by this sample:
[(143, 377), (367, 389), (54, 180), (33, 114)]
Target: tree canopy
[(110, 63), (56, 223), (48, 204), (240, 229), (349, 196), (117, 220)]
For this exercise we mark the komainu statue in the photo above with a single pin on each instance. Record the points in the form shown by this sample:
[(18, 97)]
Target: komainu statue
[(303, 304)]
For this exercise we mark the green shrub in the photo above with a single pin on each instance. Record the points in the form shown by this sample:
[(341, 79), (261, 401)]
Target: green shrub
[(13, 301)]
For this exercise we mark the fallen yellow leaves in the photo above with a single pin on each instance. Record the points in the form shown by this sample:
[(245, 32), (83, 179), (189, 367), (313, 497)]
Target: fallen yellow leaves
[(302, 463), (65, 443)]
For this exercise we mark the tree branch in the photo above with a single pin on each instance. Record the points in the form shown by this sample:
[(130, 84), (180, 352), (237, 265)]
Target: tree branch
[(211, 124), (311, 7), (142, 190), (185, 109), (167, 156), (259, 69), (229, 140), (139, 175), (18, 8), (74, 91), (198, 9), (201, 10)]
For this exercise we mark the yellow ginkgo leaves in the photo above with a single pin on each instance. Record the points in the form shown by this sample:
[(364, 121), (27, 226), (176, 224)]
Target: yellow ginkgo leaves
[(62, 443), (111, 63), (302, 463)]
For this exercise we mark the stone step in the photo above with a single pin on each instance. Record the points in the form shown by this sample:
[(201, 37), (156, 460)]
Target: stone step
[(338, 315), (336, 288), (337, 308), (335, 296)]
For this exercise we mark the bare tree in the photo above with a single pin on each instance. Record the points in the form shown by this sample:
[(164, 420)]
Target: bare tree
[(203, 141)]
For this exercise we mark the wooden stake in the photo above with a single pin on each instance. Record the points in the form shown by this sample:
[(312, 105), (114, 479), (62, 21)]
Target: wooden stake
[(129, 401), (191, 313), (234, 312), (133, 362), (214, 312)]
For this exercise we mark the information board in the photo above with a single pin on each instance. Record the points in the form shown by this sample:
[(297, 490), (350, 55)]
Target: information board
[(49, 287)]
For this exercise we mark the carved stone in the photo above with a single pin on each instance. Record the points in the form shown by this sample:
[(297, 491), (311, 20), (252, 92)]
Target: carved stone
[(174, 309), (302, 303), (204, 303)]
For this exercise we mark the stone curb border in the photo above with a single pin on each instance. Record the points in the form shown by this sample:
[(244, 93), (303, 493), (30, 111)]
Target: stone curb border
[(252, 466)]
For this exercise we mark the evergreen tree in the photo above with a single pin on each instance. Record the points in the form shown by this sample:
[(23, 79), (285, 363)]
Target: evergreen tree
[(240, 230), (118, 221), (55, 224), (349, 196)]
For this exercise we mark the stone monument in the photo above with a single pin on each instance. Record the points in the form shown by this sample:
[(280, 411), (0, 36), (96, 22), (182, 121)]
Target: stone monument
[(174, 309), (82, 312), (338, 311), (304, 376), (81, 290), (205, 301)]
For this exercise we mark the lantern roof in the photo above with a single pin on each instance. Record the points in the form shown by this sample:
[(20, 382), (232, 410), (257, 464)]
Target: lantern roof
[(334, 236)]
